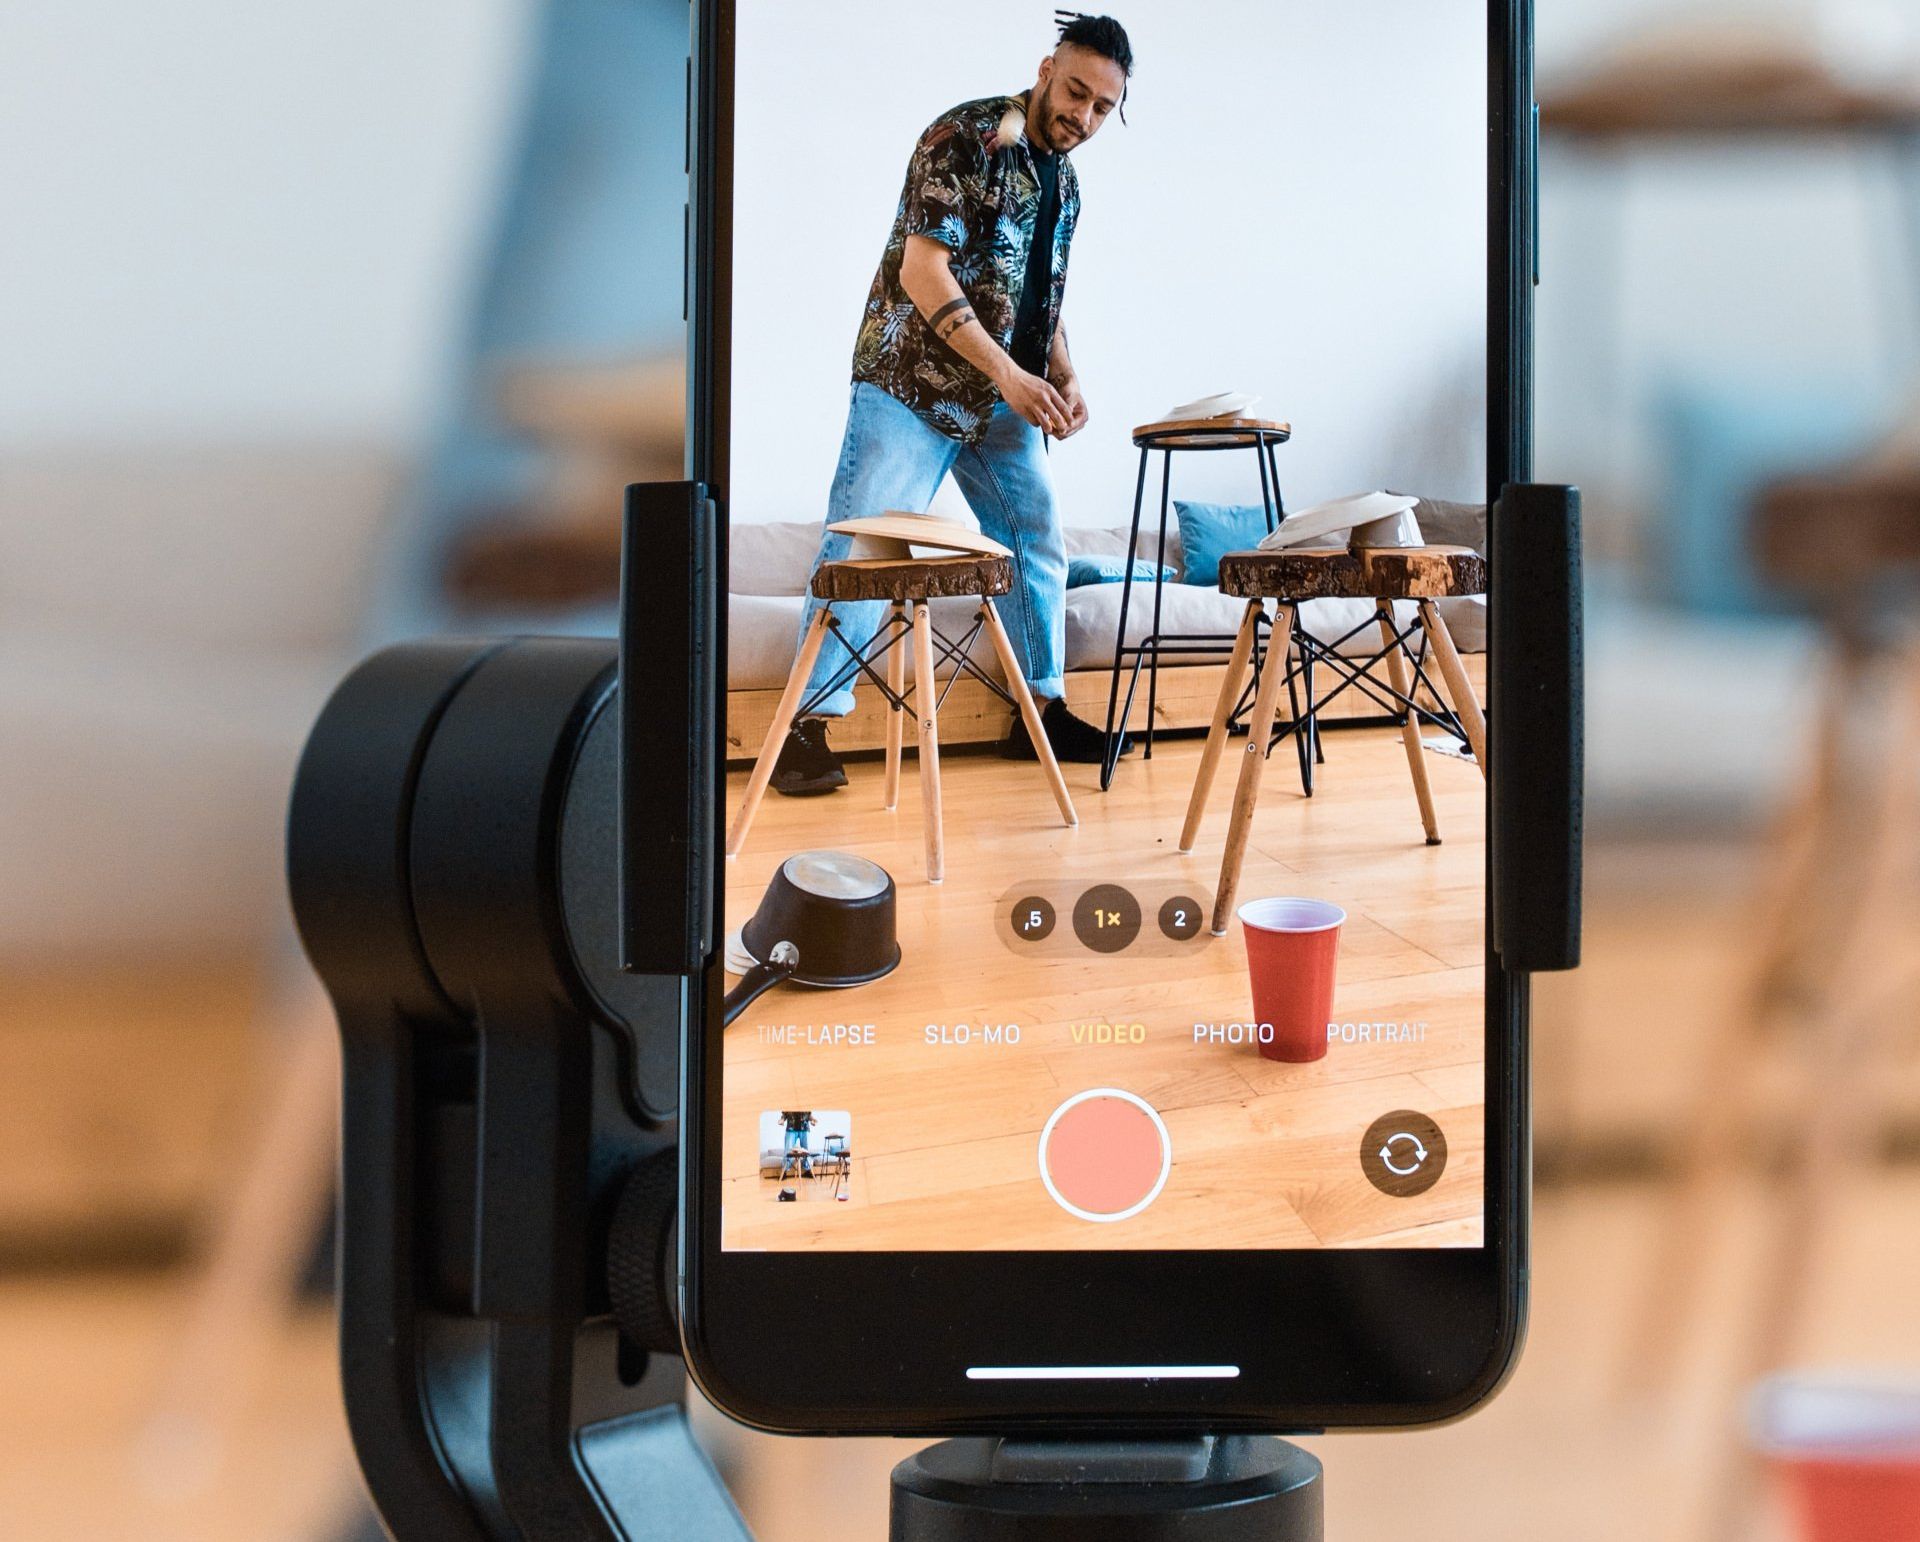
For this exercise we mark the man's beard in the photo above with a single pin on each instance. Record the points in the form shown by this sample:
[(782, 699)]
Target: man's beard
[(1047, 122)]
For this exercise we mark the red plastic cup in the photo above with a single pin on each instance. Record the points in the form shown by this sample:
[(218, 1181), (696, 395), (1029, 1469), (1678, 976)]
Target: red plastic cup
[(1293, 948), (1847, 1453)]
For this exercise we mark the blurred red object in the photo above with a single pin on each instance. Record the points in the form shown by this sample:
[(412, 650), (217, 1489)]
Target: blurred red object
[(1847, 1452), (1863, 1500)]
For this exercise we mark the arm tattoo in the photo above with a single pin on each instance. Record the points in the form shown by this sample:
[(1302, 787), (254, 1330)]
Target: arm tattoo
[(954, 323), (956, 304)]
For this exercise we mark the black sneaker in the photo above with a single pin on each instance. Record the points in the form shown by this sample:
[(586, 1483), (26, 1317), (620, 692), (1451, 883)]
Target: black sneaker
[(806, 767), (1073, 741)]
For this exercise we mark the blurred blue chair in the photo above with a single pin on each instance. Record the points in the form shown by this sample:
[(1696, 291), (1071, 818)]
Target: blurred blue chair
[(1722, 443), (584, 263)]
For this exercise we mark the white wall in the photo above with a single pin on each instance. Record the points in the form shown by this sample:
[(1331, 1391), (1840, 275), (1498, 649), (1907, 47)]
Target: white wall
[(1769, 269), (238, 221), (1295, 207)]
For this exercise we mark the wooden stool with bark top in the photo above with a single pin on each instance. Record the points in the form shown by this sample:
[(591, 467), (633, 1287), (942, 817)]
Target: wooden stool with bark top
[(1422, 574), (1831, 964), (907, 583)]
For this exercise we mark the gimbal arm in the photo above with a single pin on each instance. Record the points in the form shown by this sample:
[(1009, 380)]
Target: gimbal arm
[(450, 855)]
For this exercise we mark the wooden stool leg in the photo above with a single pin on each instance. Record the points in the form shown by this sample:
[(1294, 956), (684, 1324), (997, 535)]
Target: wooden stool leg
[(251, 1273), (1029, 713), (896, 716), (1398, 675), (790, 700), (1466, 704), (1247, 793), (1812, 862), (926, 699), (1222, 715), (1853, 1051)]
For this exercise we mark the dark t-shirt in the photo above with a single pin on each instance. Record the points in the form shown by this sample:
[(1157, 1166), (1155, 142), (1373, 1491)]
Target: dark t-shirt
[(1031, 344)]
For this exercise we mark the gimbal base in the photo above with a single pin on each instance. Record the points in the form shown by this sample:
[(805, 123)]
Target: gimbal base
[(1240, 1488)]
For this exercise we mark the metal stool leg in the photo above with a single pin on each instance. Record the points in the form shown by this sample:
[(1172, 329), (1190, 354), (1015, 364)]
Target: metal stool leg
[(1159, 576), (1301, 747), (1313, 718), (1110, 756), (896, 715), (777, 730), (1269, 492)]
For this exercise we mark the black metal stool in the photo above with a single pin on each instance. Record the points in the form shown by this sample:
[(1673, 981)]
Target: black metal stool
[(1260, 435)]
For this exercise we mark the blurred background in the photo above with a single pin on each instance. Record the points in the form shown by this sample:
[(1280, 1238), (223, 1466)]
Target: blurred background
[(324, 326)]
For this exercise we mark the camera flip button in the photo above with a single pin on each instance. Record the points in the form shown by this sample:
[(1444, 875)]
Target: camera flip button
[(1403, 1153)]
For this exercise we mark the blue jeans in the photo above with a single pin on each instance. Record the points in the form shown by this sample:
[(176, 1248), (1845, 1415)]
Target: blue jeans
[(893, 460)]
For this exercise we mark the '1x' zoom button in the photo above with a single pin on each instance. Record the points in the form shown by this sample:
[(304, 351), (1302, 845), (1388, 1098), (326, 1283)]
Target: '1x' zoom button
[(1106, 918)]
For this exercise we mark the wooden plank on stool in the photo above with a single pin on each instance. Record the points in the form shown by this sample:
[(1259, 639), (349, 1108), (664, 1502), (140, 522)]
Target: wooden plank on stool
[(926, 699), (1247, 793), (1230, 687), (1372, 572), (1400, 678), (777, 731), (905, 579), (1466, 705), (1017, 685)]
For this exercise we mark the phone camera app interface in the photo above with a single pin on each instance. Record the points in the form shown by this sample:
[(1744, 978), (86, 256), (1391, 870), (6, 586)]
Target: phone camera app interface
[(1107, 627)]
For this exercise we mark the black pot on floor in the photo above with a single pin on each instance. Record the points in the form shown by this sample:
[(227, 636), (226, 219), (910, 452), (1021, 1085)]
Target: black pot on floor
[(836, 910)]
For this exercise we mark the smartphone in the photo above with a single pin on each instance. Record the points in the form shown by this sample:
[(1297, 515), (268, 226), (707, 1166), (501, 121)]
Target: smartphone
[(1041, 1080)]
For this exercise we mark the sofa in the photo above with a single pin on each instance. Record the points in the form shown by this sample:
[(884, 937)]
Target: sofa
[(769, 564)]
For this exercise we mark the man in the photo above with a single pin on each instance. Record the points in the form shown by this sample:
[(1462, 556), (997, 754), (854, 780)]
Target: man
[(961, 365)]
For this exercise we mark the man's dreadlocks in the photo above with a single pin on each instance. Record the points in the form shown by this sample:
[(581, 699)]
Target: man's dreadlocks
[(1104, 36)]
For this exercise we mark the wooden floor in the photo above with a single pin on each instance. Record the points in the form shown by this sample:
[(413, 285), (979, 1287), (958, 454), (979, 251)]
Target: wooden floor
[(1265, 1154), (1561, 1453)]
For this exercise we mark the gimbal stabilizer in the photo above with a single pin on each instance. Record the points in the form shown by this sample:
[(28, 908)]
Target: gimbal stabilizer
[(508, 1169)]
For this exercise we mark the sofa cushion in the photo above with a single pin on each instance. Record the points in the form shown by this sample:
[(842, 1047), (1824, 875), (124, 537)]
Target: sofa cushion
[(1085, 541), (763, 632), (1208, 531), (771, 563), (1452, 524), (772, 558), (1094, 612), (1111, 568)]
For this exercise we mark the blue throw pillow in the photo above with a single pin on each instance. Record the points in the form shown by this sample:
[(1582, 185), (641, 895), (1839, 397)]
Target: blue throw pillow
[(1110, 568), (1208, 531), (1724, 443)]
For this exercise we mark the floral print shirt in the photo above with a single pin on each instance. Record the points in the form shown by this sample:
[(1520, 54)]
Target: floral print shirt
[(972, 187)]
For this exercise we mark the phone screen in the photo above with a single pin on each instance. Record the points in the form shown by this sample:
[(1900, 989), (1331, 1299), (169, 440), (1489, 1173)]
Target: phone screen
[(1082, 388)]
